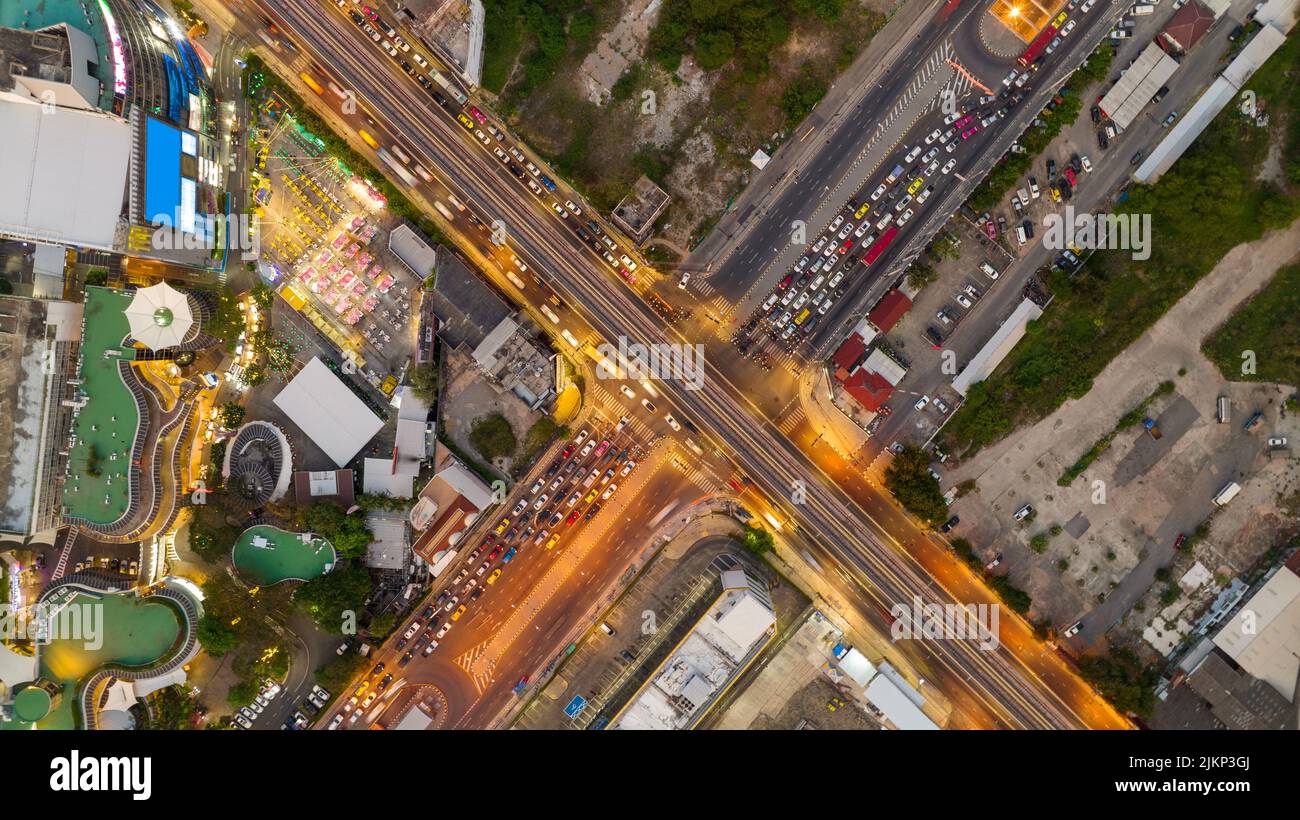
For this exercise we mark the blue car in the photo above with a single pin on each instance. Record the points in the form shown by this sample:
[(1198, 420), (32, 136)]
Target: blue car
[(548, 183), (509, 556)]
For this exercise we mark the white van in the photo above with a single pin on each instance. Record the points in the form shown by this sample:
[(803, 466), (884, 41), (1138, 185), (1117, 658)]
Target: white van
[(1140, 9), (989, 270), (1020, 235), (1226, 494)]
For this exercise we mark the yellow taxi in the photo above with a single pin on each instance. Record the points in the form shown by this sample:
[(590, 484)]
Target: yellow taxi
[(1060, 19), (492, 579), (555, 539), (505, 522), (460, 610), (465, 121), (916, 185), (591, 496), (862, 211)]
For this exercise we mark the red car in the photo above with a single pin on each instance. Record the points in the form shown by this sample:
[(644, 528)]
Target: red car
[(573, 516), (568, 450), (600, 451), (1070, 177), (785, 283), (478, 115), (492, 556), (1178, 542), (845, 247)]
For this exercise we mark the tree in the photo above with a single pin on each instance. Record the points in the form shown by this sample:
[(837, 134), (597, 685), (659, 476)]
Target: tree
[(921, 273), (423, 381), (348, 534), (96, 276), (757, 540), (216, 636), (232, 415), (541, 433), (715, 50), (493, 436), (1122, 679), (381, 626), (326, 598), (171, 708), (241, 694), (908, 479)]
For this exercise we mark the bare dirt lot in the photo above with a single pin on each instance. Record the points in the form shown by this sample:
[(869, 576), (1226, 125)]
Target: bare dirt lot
[(1119, 519), (610, 114)]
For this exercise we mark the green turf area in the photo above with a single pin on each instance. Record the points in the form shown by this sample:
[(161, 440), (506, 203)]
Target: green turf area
[(125, 629), (106, 426), (1269, 326), (284, 558)]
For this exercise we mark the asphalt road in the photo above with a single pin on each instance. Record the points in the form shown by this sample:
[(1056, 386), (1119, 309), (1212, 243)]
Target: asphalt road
[(1000, 682)]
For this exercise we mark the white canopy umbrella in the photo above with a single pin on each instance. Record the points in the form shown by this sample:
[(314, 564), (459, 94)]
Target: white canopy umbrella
[(159, 316)]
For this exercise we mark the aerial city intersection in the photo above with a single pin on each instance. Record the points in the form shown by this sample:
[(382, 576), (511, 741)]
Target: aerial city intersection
[(557, 365)]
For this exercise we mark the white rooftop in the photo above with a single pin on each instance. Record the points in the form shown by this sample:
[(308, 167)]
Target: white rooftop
[(1264, 636), (328, 411), (380, 479), (64, 175)]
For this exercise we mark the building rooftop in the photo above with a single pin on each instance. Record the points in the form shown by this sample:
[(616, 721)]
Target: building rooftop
[(413, 252), (889, 310), (328, 411), (1268, 647), (466, 307), (720, 645), (65, 175)]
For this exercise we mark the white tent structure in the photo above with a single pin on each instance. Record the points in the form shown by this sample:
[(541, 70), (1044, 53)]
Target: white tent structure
[(159, 316)]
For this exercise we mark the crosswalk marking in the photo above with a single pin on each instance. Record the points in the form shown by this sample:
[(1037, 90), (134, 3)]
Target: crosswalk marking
[(790, 422)]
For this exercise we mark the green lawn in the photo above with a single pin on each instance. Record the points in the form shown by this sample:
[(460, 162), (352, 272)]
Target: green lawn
[(106, 426), (1269, 326)]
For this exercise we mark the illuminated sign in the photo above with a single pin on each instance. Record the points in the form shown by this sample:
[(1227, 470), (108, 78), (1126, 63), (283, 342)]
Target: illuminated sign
[(189, 143), (119, 53)]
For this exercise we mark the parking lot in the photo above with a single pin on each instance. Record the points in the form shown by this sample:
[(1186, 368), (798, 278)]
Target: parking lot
[(1120, 518)]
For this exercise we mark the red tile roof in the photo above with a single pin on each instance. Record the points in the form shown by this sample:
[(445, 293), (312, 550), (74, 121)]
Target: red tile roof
[(849, 353), (870, 388), (1188, 25), (889, 310)]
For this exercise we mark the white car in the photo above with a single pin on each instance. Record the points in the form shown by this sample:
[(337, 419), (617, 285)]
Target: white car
[(933, 135), (1023, 513), (924, 195), (336, 722), (627, 261), (1087, 6), (838, 221), (243, 722), (912, 154), (1085, 163), (1072, 630), (559, 210), (1069, 27), (627, 391), (906, 215), (686, 277), (879, 192), (949, 165), (922, 402), (929, 155), (573, 209), (963, 301), (951, 118), (673, 423)]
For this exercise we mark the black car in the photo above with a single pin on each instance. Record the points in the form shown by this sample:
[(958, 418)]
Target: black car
[(1102, 142), (950, 523), (1028, 225), (385, 682), (440, 100), (627, 656), (1136, 158), (406, 659), (427, 613), (379, 667), (473, 596), (1096, 113), (932, 333), (591, 511), (1160, 95)]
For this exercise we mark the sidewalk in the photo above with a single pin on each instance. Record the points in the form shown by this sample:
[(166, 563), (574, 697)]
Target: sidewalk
[(790, 158)]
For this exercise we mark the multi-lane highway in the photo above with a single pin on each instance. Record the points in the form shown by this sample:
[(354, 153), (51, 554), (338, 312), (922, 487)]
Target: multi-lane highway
[(1031, 689)]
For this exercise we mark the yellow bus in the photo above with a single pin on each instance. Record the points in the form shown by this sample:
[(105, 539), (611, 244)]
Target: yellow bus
[(311, 82), (368, 139)]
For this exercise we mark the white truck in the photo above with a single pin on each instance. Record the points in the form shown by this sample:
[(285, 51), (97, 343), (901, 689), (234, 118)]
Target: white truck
[(1226, 494)]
